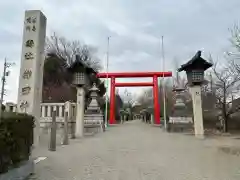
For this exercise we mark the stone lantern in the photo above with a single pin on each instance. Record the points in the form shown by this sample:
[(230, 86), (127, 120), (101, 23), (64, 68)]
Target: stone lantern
[(81, 74), (195, 75), (93, 117)]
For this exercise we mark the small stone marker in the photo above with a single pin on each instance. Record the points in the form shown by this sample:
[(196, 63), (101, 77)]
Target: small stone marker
[(65, 136), (53, 134)]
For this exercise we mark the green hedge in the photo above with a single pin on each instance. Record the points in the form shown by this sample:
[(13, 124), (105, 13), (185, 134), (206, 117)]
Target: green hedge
[(16, 139)]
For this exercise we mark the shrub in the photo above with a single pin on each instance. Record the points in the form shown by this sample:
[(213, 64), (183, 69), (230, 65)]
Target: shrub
[(16, 139)]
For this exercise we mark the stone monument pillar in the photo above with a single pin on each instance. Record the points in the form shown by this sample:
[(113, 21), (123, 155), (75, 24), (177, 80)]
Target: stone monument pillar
[(197, 110), (31, 71), (80, 107)]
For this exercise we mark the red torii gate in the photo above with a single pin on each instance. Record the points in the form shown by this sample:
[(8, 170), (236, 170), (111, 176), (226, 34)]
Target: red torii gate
[(154, 84)]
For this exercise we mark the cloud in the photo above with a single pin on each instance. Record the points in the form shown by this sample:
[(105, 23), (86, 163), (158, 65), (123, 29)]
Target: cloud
[(135, 28)]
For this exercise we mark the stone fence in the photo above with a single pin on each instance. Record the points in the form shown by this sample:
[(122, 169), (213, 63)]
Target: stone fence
[(47, 110)]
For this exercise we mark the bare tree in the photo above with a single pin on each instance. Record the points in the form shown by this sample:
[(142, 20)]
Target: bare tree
[(129, 98), (66, 49), (60, 54), (146, 98), (226, 86), (235, 40)]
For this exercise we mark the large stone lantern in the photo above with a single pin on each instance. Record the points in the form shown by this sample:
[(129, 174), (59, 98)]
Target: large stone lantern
[(81, 74), (195, 74)]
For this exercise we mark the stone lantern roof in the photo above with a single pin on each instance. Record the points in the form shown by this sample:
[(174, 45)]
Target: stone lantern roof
[(197, 62), (79, 65)]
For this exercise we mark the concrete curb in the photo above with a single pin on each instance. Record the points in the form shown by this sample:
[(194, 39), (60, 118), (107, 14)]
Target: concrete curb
[(19, 173), (156, 125), (113, 125)]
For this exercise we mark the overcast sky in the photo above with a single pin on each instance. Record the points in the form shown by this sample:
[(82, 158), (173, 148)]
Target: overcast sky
[(135, 26)]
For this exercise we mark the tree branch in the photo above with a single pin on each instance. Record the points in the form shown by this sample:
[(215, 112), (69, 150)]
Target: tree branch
[(66, 50)]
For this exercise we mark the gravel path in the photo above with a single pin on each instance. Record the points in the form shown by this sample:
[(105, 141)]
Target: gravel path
[(137, 151)]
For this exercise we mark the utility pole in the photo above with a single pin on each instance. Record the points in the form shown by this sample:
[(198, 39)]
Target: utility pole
[(5, 73), (163, 85), (106, 96), (211, 82)]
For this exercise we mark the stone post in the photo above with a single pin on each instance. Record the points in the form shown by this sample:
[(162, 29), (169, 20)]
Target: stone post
[(68, 109), (15, 108), (52, 144), (7, 107), (197, 111), (43, 111), (80, 106), (70, 119), (152, 119), (120, 118), (31, 71), (48, 111), (65, 137), (101, 123)]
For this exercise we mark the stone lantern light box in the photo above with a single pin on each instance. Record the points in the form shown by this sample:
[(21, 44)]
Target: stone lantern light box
[(195, 69), (81, 73)]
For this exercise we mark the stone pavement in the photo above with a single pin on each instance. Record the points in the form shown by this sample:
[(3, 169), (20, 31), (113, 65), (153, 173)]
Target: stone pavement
[(137, 151)]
